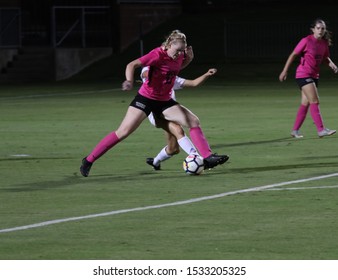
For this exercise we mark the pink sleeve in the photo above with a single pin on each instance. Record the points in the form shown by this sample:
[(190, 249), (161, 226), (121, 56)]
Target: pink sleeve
[(150, 58), (300, 46)]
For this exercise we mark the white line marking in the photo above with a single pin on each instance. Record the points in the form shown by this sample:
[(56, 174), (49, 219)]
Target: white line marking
[(303, 188), (189, 201), (20, 155)]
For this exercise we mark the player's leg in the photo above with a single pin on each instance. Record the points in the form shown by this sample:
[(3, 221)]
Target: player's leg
[(181, 139), (173, 132), (173, 148), (185, 117), (130, 123), (162, 155), (173, 145), (167, 152), (311, 93), (300, 117)]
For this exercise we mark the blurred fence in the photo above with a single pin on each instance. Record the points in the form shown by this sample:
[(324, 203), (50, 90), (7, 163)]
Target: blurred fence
[(266, 39), (78, 27), (81, 26), (92, 26), (10, 27)]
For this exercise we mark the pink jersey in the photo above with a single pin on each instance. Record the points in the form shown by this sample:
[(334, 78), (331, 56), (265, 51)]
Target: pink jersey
[(313, 52), (161, 76)]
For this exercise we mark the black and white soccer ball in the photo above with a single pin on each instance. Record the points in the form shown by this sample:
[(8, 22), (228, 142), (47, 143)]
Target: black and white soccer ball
[(193, 165)]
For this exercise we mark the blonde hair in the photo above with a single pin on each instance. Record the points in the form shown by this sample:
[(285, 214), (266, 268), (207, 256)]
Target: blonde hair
[(175, 35)]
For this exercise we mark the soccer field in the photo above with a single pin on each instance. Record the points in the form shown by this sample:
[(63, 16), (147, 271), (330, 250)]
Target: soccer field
[(276, 198)]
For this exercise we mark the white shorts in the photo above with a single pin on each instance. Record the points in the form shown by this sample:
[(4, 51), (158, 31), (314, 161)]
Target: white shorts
[(152, 119)]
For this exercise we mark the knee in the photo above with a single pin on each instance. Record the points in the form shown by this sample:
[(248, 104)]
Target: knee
[(176, 130), (122, 133), (314, 101), (194, 122)]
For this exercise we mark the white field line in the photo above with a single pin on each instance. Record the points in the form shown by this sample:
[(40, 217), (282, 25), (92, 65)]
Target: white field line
[(303, 188), (177, 203), (59, 94)]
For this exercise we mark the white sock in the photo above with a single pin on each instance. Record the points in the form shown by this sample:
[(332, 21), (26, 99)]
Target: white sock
[(187, 145), (162, 156)]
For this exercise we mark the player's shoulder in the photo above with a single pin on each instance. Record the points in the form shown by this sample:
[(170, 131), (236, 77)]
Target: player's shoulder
[(155, 52), (309, 38), (303, 42), (304, 39)]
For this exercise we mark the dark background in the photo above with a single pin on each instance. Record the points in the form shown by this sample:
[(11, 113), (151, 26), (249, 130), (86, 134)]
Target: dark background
[(219, 31)]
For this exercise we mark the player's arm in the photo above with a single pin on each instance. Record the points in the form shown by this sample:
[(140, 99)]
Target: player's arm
[(332, 65), (130, 70), (289, 61), (199, 80), (189, 56)]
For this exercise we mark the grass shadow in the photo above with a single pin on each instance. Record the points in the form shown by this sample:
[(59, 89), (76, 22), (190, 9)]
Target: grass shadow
[(77, 179), (249, 143)]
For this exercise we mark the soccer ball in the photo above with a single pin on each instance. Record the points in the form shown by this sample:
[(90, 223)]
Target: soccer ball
[(193, 165)]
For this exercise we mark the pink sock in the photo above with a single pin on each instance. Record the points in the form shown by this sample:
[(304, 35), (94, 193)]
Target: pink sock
[(105, 144), (301, 115), (200, 142), (316, 116)]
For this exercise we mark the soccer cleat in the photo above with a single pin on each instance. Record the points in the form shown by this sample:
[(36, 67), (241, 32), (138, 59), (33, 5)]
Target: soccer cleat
[(214, 160), (150, 161), (326, 132), (85, 167), (296, 134)]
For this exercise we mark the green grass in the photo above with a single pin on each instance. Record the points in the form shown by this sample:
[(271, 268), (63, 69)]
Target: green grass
[(58, 124)]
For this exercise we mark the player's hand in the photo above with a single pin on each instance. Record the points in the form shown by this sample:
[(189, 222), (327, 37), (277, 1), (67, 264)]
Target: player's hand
[(127, 85), (333, 67), (189, 54), (282, 76), (212, 71)]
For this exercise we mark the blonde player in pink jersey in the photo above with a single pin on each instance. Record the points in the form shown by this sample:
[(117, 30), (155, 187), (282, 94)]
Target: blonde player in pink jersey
[(174, 134), (313, 49), (165, 62)]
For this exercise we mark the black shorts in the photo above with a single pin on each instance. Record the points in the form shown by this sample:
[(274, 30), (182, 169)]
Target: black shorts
[(148, 105), (304, 81)]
